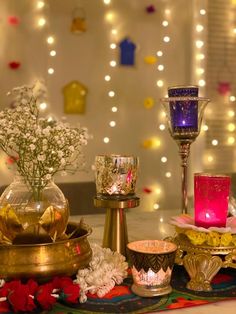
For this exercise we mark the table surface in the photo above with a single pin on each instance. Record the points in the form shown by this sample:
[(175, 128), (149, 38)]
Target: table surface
[(152, 225)]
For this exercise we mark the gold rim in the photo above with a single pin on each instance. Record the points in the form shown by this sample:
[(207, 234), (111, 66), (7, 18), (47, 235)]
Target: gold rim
[(182, 86), (117, 156), (211, 175), (184, 98), (157, 241)]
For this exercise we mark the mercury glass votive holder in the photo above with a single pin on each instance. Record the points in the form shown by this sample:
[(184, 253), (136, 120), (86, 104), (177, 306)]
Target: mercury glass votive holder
[(152, 263), (211, 197), (115, 176)]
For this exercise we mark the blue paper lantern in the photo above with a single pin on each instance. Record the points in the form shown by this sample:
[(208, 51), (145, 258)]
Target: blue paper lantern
[(127, 50)]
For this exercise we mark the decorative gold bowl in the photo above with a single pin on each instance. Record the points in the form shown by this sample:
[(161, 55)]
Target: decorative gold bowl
[(45, 260)]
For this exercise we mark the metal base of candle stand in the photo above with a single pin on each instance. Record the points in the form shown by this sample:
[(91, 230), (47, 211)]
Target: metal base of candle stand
[(115, 234), (202, 262)]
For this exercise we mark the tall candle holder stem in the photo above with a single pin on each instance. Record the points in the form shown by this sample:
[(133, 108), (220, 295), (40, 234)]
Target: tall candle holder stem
[(184, 150), (184, 117), (115, 235)]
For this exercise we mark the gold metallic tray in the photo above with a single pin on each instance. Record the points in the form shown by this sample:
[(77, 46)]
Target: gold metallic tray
[(202, 262), (43, 261)]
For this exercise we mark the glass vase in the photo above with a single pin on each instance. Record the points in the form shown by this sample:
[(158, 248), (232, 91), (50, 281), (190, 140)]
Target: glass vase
[(32, 213)]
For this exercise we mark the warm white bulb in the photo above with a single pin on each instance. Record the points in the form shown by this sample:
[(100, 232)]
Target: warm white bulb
[(199, 28), (166, 39), (168, 174), (112, 124), (201, 83), (53, 53), (40, 4), (50, 71), (232, 98), (167, 11), (162, 127), (106, 140), (159, 53), (41, 21), (200, 71), (165, 23), (156, 206), (231, 140), (50, 40), (114, 109), (113, 46), (163, 159), (109, 16), (107, 78), (106, 2), (160, 67), (160, 83), (111, 93), (113, 63), (231, 127), (199, 43), (202, 11), (114, 31), (205, 127), (214, 142), (231, 113), (210, 158), (200, 56), (43, 106)]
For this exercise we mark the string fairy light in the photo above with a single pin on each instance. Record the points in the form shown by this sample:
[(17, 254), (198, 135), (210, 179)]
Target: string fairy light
[(42, 21), (109, 18)]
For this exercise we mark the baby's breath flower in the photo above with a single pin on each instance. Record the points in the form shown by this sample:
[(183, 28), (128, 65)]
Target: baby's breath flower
[(43, 148)]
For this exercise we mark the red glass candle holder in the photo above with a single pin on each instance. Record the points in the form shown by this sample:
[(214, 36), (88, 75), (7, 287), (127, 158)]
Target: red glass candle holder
[(211, 196)]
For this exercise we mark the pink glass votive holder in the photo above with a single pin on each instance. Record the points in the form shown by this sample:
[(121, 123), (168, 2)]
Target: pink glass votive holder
[(211, 197), (152, 263)]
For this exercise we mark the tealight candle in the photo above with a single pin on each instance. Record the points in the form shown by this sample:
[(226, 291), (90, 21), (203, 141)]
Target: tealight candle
[(152, 262), (184, 113), (211, 196)]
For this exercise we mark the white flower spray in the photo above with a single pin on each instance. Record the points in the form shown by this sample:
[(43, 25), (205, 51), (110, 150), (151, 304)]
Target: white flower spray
[(40, 147), (106, 269)]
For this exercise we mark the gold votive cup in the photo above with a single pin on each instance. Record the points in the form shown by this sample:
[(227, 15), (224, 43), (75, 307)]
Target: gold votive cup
[(152, 263), (115, 176)]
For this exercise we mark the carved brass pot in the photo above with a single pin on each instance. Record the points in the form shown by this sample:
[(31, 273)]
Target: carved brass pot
[(45, 260)]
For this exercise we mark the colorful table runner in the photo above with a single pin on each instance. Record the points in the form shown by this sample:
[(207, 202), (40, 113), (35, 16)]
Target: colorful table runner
[(122, 300)]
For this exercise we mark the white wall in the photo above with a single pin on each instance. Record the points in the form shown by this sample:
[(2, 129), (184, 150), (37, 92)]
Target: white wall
[(86, 58)]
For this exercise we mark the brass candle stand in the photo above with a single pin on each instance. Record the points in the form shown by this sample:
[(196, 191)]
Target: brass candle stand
[(115, 234), (184, 117), (203, 262), (115, 177), (203, 252)]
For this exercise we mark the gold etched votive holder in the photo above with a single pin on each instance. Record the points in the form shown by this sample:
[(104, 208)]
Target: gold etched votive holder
[(152, 263), (115, 177)]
